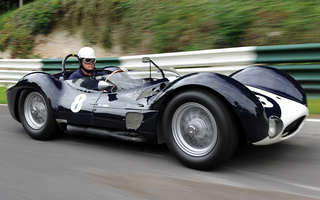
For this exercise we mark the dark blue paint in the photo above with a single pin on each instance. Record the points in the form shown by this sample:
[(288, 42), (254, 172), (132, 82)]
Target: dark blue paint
[(272, 80), (245, 105)]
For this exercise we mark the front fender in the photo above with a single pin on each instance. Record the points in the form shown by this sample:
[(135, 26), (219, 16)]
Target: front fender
[(272, 80), (38, 81), (246, 106)]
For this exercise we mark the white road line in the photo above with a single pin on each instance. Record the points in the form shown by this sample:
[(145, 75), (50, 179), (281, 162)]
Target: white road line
[(303, 186), (313, 120), (274, 180)]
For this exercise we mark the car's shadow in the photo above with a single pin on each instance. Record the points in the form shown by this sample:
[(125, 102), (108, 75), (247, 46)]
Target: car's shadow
[(115, 144), (245, 157)]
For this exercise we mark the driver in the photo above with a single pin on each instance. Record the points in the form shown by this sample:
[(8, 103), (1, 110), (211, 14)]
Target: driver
[(87, 60), (87, 63)]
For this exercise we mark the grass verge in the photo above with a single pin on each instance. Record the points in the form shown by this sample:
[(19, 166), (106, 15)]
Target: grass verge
[(3, 97), (314, 107)]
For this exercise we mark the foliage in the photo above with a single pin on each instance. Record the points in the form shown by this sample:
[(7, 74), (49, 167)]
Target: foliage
[(145, 26), (6, 28), (36, 17), (190, 27), (21, 44), (233, 18), (17, 28), (9, 5), (284, 22)]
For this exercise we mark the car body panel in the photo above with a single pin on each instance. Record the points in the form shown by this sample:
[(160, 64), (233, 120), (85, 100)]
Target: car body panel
[(284, 108), (245, 104), (137, 105), (272, 80)]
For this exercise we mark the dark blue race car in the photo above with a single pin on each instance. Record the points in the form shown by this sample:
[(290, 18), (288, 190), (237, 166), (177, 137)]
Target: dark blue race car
[(201, 117)]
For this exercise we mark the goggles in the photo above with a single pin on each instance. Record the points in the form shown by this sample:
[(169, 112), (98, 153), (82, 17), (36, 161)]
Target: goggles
[(89, 60)]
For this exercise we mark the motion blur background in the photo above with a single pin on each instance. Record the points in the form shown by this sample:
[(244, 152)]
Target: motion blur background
[(126, 27)]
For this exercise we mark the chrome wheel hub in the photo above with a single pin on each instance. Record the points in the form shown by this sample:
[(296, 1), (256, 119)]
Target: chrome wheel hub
[(197, 128), (194, 129), (35, 110)]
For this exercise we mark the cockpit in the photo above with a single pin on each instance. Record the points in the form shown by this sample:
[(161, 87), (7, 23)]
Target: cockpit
[(106, 82)]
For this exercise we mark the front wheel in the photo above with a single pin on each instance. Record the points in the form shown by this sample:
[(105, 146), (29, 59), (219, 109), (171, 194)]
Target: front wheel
[(199, 129), (36, 115)]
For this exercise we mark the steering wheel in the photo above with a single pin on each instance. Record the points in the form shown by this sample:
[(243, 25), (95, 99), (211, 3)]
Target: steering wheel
[(117, 71), (113, 87)]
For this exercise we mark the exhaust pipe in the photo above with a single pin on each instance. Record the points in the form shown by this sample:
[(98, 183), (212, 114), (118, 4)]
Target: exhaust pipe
[(121, 135)]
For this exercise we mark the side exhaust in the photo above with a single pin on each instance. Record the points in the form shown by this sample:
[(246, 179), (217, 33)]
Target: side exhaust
[(121, 135)]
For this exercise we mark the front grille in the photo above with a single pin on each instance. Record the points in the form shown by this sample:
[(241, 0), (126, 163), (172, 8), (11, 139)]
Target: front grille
[(293, 127)]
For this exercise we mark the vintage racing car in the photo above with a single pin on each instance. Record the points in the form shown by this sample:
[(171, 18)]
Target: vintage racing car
[(201, 117)]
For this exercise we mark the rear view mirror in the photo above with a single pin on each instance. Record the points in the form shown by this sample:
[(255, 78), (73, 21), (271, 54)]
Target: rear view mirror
[(148, 60), (145, 59)]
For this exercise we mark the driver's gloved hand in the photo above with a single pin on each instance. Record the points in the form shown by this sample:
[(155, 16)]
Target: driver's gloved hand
[(102, 85)]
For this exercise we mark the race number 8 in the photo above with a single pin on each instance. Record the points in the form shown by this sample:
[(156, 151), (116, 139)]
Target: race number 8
[(77, 103)]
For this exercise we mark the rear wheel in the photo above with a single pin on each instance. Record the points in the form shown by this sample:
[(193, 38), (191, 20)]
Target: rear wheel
[(199, 129), (36, 115)]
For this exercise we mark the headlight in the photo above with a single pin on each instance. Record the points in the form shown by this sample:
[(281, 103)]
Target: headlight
[(275, 126)]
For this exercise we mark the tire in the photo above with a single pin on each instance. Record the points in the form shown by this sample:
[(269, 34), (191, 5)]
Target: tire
[(199, 129), (36, 116)]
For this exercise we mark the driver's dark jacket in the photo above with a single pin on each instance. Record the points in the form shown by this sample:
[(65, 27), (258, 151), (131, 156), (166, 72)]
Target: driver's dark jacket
[(90, 82), (78, 74)]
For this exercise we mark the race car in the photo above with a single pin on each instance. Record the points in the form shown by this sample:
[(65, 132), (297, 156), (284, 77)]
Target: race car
[(202, 116)]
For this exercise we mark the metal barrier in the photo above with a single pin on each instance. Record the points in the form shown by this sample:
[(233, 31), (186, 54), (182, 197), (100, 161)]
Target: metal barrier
[(296, 53), (202, 58), (300, 61), (11, 70), (54, 65)]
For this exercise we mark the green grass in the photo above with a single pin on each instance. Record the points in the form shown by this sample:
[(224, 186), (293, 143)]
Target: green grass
[(3, 97), (314, 106)]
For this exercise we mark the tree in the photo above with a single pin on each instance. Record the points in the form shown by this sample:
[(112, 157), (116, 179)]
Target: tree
[(8, 5)]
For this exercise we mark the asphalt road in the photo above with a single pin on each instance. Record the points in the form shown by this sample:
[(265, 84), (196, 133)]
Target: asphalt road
[(75, 167)]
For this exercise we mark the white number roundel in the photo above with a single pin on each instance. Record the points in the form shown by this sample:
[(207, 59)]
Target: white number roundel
[(77, 103)]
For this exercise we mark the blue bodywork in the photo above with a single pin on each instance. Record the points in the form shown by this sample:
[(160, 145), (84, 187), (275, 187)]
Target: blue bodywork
[(148, 98)]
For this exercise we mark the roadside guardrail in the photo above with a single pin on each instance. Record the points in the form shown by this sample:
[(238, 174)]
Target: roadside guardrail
[(302, 61)]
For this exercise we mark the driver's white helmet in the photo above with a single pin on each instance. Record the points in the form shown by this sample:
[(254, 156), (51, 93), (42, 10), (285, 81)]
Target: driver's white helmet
[(86, 52)]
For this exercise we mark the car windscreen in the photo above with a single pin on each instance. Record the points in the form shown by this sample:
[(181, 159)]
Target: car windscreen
[(121, 80)]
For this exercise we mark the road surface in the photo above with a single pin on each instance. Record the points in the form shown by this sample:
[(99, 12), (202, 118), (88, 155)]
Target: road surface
[(75, 167)]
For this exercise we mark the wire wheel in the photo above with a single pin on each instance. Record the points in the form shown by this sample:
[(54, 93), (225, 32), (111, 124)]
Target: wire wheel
[(35, 110), (199, 129), (36, 115), (194, 129)]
